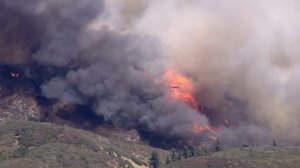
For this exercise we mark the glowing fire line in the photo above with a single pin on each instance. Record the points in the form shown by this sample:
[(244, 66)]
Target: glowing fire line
[(181, 88), (14, 74)]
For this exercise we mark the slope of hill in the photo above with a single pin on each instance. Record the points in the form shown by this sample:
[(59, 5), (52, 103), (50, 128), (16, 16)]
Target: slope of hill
[(43, 145), (271, 157), (30, 145)]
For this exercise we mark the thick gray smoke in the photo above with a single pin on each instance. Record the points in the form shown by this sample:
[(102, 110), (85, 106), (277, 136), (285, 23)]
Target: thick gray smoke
[(91, 63), (242, 56)]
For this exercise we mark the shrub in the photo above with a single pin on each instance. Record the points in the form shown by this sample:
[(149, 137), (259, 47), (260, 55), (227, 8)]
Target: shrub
[(20, 152)]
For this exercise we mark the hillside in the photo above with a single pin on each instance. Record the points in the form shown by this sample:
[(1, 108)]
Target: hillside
[(43, 145), (30, 144), (272, 157)]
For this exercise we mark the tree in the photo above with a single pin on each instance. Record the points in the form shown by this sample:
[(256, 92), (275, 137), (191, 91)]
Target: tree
[(154, 160), (188, 151), (179, 156), (193, 151), (173, 154), (168, 160), (219, 146), (185, 152), (196, 151), (205, 151)]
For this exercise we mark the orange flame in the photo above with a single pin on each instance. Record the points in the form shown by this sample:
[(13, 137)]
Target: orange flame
[(213, 138), (14, 74), (226, 122), (181, 87), (198, 128)]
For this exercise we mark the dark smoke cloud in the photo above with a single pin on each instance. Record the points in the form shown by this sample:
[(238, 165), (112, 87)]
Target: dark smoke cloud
[(17, 37), (243, 56), (63, 23), (116, 83), (87, 61), (105, 54)]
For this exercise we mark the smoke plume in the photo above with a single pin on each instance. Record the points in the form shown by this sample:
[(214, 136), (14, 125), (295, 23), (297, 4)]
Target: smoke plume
[(241, 56)]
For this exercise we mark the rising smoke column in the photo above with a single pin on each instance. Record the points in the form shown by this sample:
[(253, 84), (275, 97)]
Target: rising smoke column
[(87, 60), (242, 57)]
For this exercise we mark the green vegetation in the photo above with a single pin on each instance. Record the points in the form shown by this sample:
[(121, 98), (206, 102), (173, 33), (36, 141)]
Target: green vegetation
[(274, 143), (271, 157), (154, 161), (218, 146), (38, 145), (42, 145), (187, 152)]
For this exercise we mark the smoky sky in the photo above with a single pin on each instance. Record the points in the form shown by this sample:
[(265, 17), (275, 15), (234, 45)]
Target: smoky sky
[(243, 56), (90, 63), (108, 54)]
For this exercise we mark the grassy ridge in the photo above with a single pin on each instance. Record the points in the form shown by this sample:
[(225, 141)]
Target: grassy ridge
[(30, 144), (272, 157), (44, 145)]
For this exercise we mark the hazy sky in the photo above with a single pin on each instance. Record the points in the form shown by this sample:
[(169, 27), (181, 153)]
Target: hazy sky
[(243, 57)]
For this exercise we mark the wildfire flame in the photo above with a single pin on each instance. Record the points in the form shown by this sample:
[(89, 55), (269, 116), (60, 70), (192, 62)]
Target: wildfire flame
[(181, 88), (226, 122), (198, 128), (213, 138), (14, 74)]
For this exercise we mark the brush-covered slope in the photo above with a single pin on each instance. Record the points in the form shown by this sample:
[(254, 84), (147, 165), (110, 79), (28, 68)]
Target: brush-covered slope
[(43, 145), (272, 157), (38, 145)]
